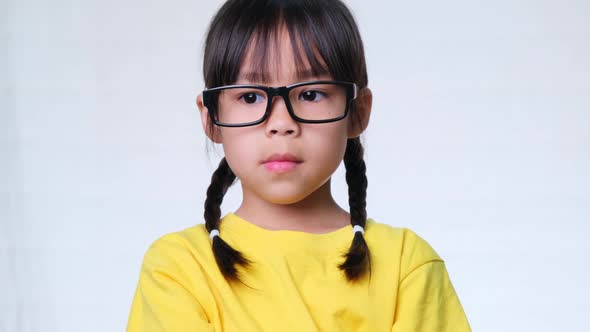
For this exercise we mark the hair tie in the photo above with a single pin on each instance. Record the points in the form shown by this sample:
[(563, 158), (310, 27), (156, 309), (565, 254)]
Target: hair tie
[(213, 233), (358, 228)]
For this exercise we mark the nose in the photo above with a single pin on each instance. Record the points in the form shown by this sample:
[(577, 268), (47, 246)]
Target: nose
[(279, 121)]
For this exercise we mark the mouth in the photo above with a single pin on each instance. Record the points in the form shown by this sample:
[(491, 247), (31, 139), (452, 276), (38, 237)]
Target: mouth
[(281, 162)]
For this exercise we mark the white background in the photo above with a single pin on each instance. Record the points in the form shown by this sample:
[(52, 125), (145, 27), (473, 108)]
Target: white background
[(479, 142)]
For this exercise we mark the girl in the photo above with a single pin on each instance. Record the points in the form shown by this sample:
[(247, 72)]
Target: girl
[(287, 97)]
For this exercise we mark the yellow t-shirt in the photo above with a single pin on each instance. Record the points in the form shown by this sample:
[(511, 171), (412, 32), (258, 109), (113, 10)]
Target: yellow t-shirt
[(294, 284)]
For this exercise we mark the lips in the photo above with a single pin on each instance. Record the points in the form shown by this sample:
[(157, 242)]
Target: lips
[(281, 163), (282, 157)]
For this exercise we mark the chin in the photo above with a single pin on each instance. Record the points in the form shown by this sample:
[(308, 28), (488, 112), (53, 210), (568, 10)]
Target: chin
[(284, 197)]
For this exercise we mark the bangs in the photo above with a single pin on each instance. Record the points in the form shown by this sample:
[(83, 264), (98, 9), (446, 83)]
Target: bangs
[(322, 34), (263, 55)]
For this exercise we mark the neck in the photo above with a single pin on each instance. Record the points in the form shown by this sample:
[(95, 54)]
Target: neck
[(316, 213)]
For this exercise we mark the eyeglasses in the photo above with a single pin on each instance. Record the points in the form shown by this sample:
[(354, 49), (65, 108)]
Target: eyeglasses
[(244, 105)]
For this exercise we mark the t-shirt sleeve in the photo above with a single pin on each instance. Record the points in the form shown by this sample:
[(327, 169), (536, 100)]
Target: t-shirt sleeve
[(427, 301), (164, 299)]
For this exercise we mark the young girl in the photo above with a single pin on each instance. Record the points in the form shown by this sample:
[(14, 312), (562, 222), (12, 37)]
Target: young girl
[(287, 97)]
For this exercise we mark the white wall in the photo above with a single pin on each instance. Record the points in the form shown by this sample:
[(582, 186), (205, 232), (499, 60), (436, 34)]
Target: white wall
[(479, 142)]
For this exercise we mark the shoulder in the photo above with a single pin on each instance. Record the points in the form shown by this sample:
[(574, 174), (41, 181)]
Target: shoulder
[(179, 250), (403, 244), (173, 290)]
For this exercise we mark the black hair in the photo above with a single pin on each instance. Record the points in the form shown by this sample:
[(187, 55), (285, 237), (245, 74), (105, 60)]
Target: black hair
[(328, 36)]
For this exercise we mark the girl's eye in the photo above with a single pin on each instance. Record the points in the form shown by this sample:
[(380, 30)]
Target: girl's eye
[(252, 98), (312, 95)]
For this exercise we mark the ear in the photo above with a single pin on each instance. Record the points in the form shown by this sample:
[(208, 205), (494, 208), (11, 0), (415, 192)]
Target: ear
[(210, 129), (358, 122)]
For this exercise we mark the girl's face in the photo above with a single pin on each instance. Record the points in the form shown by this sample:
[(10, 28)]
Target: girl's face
[(318, 148)]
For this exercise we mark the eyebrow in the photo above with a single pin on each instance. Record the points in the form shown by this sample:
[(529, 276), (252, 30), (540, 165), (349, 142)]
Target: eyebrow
[(302, 75)]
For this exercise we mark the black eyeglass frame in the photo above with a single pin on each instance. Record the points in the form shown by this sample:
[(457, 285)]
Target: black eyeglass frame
[(271, 92)]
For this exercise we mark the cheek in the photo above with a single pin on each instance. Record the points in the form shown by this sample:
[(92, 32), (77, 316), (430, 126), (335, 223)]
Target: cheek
[(328, 147), (240, 151)]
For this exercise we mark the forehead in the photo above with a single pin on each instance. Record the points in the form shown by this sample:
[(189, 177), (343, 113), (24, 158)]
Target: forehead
[(281, 57)]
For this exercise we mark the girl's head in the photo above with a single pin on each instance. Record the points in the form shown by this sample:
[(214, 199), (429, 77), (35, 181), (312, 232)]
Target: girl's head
[(280, 43)]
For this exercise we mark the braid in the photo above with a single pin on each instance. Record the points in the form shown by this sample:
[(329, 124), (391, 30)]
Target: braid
[(358, 257), (226, 256)]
